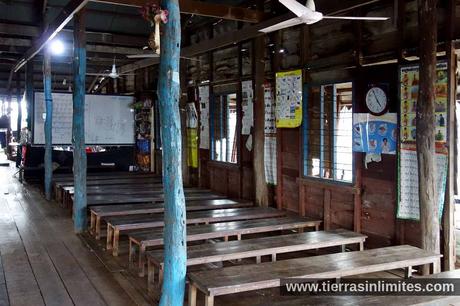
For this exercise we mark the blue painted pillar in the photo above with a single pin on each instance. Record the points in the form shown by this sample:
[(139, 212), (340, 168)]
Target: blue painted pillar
[(48, 123), (168, 96), (78, 126)]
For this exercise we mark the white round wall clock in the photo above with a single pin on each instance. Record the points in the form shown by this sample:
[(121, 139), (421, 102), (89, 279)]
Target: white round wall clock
[(376, 101)]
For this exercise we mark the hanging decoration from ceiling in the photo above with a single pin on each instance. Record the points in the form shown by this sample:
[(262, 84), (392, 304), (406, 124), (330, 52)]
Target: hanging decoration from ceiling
[(155, 15)]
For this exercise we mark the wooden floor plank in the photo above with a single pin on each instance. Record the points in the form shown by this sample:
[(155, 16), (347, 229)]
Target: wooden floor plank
[(44, 262)]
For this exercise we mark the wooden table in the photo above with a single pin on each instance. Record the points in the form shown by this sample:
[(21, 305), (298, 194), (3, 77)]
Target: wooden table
[(268, 275), (219, 230), (239, 249), (98, 213), (118, 225)]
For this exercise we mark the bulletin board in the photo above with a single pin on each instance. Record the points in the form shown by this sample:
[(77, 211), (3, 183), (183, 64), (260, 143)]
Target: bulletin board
[(408, 197), (289, 99)]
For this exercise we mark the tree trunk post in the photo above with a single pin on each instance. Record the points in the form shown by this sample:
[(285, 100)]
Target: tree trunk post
[(78, 123), (260, 184), (175, 252), (429, 216), (48, 123)]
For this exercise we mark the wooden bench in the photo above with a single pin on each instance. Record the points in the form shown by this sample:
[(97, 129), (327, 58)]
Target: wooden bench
[(98, 213), (268, 275), (239, 249), (154, 237), (126, 199), (119, 225), (389, 300)]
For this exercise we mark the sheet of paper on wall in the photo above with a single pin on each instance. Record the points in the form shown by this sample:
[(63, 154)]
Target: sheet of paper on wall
[(203, 92), (247, 106), (375, 134), (289, 99), (270, 159), (192, 116), (270, 117)]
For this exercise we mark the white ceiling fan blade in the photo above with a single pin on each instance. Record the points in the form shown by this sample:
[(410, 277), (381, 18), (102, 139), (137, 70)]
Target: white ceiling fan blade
[(311, 5), (296, 7), (357, 18), (150, 55), (282, 25)]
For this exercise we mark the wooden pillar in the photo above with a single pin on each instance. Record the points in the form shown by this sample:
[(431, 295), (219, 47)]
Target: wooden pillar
[(449, 206), (429, 217), (29, 92), (175, 244), (260, 184), (48, 122), (78, 123), (19, 118), (18, 100)]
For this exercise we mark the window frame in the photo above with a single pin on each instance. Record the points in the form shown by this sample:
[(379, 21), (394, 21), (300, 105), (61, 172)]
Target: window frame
[(212, 106), (305, 135)]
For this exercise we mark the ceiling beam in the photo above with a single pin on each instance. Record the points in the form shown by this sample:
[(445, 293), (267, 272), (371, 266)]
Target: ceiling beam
[(63, 18), (202, 9)]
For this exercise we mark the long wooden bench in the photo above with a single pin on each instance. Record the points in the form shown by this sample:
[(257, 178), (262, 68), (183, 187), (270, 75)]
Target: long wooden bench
[(118, 225), (269, 275), (239, 249), (387, 300), (142, 241), (98, 213), (126, 199)]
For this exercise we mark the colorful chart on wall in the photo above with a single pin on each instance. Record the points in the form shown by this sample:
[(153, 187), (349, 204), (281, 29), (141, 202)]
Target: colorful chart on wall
[(408, 203), (204, 116), (289, 99), (270, 136), (375, 134)]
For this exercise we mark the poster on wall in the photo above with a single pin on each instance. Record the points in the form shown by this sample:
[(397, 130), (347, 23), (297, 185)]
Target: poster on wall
[(289, 99), (270, 136), (203, 92), (247, 106), (375, 134), (192, 146), (408, 203)]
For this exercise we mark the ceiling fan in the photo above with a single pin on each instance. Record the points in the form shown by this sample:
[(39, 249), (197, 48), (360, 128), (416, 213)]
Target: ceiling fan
[(307, 14), (113, 73)]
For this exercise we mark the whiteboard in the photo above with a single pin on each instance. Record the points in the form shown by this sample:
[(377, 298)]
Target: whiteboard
[(109, 120)]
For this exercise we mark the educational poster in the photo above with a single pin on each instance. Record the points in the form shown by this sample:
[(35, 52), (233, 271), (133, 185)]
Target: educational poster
[(289, 99), (248, 108), (375, 134), (270, 136), (192, 146), (408, 205), (203, 92)]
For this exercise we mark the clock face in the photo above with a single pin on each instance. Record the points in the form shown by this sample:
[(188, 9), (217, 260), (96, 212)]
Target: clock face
[(376, 100)]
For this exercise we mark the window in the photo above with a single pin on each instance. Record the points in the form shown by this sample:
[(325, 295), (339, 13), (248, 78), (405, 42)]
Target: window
[(328, 132), (224, 123)]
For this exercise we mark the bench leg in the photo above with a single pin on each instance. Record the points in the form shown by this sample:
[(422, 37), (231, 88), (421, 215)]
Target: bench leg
[(258, 259), (150, 276), (92, 226), (273, 257), (361, 246), (436, 266), (141, 260), (191, 295), (160, 274), (238, 236), (116, 242), (108, 245), (132, 253), (98, 228), (209, 300), (343, 248), (226, 238)]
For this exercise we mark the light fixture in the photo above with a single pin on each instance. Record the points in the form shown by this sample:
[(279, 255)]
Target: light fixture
[(64, 82), (57, 47), (282, 50)]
